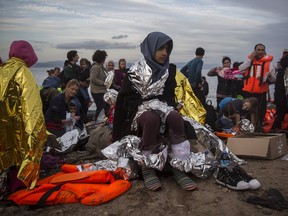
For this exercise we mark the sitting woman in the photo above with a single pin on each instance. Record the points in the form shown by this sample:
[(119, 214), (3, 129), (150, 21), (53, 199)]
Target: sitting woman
[(147, 101), (55, 116), (236, 110)]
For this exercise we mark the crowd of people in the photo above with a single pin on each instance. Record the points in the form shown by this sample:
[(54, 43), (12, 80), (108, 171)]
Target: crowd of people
[(145, 105), (245, 81)]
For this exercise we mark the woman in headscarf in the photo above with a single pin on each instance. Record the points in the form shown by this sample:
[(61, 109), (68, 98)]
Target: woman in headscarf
[(22, 126), (146, 104)]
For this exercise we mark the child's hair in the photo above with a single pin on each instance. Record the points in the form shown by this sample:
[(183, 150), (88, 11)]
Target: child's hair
[(72, 104), (66, 63), (254, 103), (236, 65), (50, 72), (86, 61)]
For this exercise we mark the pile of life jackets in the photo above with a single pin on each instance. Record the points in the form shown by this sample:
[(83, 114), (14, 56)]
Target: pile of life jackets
[(270, 118), (72, 186)]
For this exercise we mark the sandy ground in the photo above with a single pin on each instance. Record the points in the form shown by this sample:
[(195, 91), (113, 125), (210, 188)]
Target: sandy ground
[(209, 199)]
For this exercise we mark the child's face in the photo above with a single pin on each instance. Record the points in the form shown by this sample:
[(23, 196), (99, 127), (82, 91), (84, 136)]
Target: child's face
[(110, 66), (246, 106), (72, 109), (122, 64), (161, 54), (57, 71), (54, 74), (83, 65)]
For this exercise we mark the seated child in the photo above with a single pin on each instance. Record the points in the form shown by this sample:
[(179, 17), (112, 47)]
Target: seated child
[(72, 107), (52, 81)]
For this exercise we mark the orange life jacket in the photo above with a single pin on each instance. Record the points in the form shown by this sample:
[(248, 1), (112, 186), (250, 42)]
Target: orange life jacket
[(89, 188), (253, 78)]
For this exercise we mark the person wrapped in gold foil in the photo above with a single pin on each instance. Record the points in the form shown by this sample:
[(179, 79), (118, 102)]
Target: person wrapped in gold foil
[(22, 125), (190, 105)]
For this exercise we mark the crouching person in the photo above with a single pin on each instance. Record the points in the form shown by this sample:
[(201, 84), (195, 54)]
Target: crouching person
[(56, 115)]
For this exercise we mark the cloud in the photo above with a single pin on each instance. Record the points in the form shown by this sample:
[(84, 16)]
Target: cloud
[(120, 37), (222, 27), (96, 44)]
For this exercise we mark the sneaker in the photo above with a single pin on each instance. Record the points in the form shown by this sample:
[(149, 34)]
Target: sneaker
[(253, 183), (228, 178)]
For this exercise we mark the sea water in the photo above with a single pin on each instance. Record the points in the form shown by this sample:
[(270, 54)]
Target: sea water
[(40, 73)]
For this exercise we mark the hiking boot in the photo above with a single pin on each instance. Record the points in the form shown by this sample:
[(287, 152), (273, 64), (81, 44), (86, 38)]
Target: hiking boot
[(227, 177), (253, 183)]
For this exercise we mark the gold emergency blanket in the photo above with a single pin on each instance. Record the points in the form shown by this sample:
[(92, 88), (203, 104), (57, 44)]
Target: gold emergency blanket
[(191, 106), (22, 125)]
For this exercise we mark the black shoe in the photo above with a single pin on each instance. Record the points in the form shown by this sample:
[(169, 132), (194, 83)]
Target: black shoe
[(253, 183), (227, 177)]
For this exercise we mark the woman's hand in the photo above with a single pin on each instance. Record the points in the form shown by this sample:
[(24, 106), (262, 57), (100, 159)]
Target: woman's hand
[(253, 55)]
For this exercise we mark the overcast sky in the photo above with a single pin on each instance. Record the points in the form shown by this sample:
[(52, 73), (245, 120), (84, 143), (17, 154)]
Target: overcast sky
[(221, 27)]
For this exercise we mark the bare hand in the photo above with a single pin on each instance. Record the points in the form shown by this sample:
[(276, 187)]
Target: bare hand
[(253, 55)]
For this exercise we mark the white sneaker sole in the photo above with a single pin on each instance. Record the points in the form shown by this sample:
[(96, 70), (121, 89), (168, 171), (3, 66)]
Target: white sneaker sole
[(254, 184), (241, 185)]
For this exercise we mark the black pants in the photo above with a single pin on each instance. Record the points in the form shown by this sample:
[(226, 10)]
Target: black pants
[(100, 104), (281, 108)]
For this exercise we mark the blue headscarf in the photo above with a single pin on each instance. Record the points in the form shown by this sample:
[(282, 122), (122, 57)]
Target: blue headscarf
[(149, 46)]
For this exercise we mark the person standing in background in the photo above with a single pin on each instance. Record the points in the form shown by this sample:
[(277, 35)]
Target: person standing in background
[(83, 93), (72, 70), (237, 84), (224, 85), (281, 92), (258, 75), (119, 74), (193, 71), (22, 125), (98, 76), (205, 86)]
